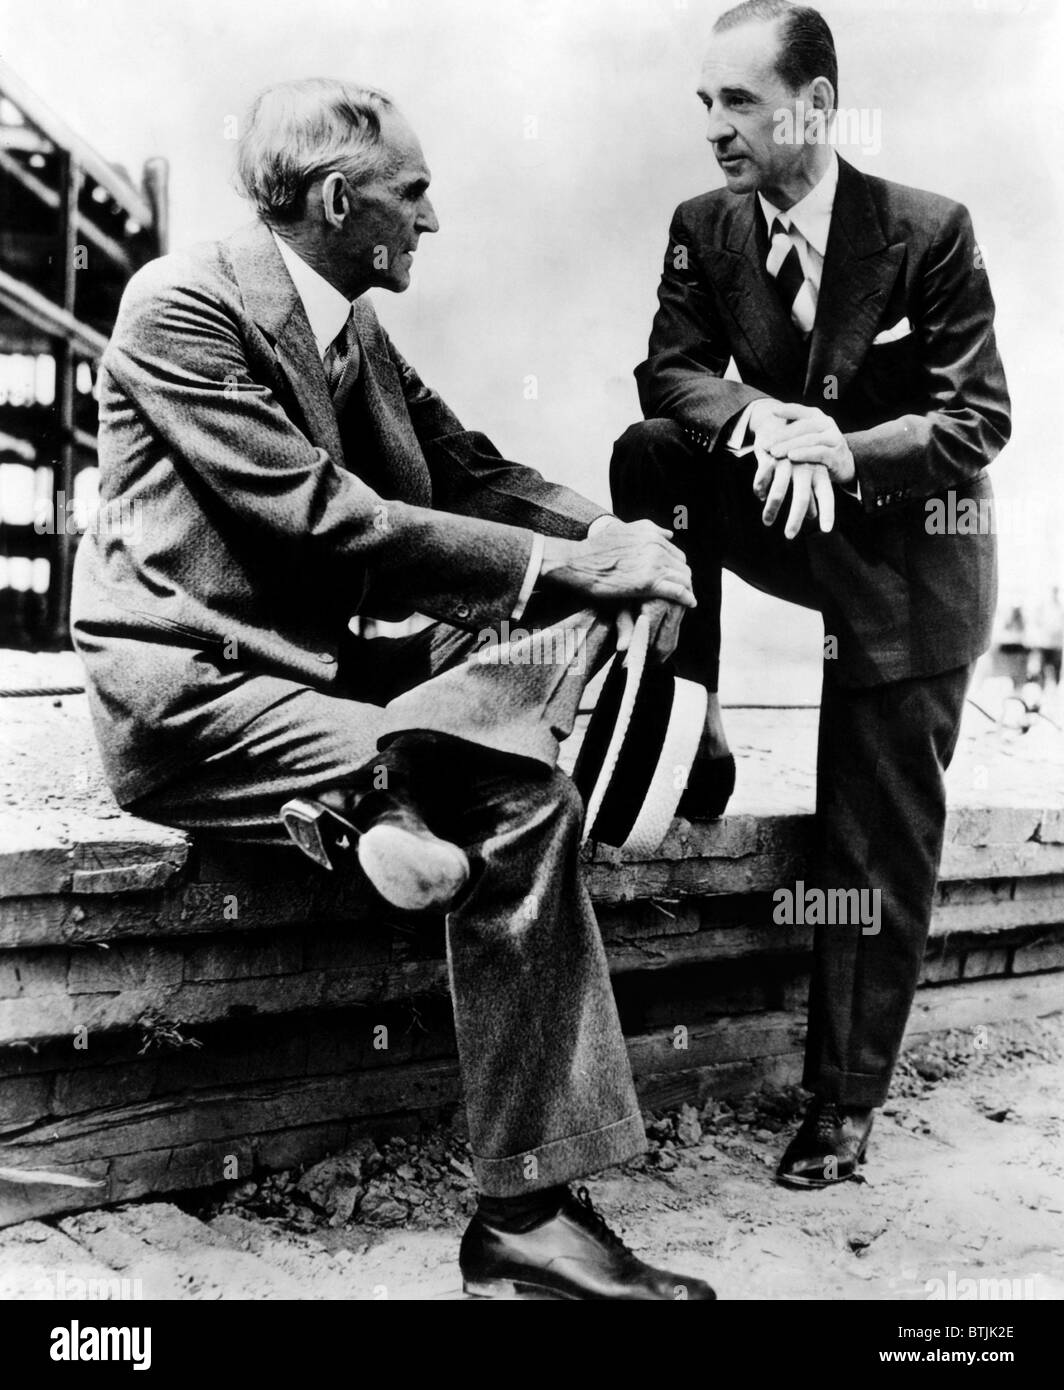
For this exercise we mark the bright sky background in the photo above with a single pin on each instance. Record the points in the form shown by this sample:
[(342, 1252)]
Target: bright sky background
[(561, 134)]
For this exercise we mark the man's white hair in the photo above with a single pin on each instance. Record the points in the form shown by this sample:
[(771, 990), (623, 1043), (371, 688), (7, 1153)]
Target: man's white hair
[(296, 132)]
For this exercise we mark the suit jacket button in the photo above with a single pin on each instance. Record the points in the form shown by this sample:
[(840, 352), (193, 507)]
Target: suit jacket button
[(462, 611)]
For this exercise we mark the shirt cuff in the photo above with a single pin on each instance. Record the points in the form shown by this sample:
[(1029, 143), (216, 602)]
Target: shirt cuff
[(535, 564), (737, 441)]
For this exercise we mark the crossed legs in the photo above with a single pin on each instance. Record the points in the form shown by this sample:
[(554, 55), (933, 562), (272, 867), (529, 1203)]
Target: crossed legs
[(548, 1086)]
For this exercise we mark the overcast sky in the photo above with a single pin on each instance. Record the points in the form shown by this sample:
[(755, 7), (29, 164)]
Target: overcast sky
[(561, 134)]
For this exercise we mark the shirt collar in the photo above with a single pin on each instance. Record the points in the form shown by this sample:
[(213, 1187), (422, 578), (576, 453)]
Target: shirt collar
[(326, 307), (811, 215)]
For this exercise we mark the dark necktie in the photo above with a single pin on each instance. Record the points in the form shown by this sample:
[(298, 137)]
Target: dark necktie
[(785, 267), (341, 362)]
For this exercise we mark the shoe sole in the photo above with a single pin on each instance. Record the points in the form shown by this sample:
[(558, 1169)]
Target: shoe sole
[(796, 1182), (410, 872), (508, 1289)]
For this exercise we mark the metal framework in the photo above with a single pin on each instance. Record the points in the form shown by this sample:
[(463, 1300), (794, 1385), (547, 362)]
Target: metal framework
[(73, 228)]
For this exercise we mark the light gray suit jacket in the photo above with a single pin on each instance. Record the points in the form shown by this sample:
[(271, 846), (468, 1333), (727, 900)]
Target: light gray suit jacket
[(238, 534)]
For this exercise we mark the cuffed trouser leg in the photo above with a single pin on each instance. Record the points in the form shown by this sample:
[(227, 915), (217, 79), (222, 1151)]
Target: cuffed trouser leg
[(881, 809), (549, 1094)]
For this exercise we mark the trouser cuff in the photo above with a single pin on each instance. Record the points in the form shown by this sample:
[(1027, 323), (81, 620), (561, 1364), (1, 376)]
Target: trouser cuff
[(562, 1160), (847, 1087)]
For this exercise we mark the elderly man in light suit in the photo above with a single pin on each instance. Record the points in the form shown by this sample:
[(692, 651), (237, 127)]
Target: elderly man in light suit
[(293, 472)]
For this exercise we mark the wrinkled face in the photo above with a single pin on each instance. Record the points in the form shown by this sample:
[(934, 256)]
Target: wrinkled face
[(389, 211), (743, 95)]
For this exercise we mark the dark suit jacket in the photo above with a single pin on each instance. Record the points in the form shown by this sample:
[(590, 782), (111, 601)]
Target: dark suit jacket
[(923, 415), (255, 534)]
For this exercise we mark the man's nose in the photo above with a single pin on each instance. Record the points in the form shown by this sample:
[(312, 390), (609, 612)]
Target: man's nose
[(427, 220), (718, 128)]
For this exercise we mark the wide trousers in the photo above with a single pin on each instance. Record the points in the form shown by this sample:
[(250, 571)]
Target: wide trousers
[(548, 1086), (882, 756)]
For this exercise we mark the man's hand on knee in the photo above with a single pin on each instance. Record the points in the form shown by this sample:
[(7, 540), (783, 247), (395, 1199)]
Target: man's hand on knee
[(779, 429)]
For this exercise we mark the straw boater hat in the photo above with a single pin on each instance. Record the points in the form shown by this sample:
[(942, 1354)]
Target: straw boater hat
[(640, 743)]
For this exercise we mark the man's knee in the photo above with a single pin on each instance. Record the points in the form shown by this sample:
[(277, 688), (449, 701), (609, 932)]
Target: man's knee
[(643, 453), (551, 801), (649, 436)]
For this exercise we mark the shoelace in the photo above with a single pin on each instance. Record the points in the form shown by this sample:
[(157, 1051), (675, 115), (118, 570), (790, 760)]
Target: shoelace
[(585, 1214), (828, 1120)]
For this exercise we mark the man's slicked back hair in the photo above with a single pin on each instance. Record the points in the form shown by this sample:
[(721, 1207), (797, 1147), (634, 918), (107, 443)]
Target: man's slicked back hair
[(807, 49), (295, 132)]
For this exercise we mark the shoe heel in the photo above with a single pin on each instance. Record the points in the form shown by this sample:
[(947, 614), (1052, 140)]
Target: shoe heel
[(490, 1288), (302, 819)]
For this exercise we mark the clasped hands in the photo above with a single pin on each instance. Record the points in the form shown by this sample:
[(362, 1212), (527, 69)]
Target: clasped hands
[(801, 449)]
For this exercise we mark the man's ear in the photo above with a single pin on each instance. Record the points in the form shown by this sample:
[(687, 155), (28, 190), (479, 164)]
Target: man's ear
[(819, 109), (335, 199), (823, 95)]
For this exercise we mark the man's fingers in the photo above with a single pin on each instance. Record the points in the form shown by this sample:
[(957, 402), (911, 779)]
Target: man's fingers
[(673, 552), (825, 498), (819, 454), (799, 412), (777, 492), (674, 566), (675, 592), (801, 491), (625, 624), (766, 471), (664, 639), (664, 618), (804, 434), (647, 527)]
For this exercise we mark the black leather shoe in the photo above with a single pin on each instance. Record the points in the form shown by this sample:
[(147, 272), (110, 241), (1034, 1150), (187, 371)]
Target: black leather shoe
[(385, 831), (709, 787), (829, 1147), (573, 1255)]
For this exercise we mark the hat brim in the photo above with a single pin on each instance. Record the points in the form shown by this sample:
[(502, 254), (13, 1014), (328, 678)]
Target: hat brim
[(641, 740)]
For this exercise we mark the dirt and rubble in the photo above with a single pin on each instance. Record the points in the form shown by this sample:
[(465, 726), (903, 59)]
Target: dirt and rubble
[(962, 1196), (965, 1181)]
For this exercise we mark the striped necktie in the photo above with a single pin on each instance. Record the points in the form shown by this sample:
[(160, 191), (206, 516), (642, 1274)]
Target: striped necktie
[(341, 362), (785, 267)]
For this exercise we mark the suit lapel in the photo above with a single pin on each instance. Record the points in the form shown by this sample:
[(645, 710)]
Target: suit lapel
[(399, 463), (275, 306), (738, 271), (859, 272)]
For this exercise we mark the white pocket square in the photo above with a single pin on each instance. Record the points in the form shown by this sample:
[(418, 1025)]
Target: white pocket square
[(901, 329)]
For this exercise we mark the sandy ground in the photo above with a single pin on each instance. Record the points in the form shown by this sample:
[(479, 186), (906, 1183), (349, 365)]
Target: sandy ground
[(965, 1181)]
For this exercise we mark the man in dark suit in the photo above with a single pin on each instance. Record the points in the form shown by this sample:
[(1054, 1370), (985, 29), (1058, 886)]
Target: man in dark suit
[(290, 472), (859, 317)]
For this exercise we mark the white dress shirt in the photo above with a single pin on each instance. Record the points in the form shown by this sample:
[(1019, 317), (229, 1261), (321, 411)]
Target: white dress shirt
[(808, 222), (327, 310)]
